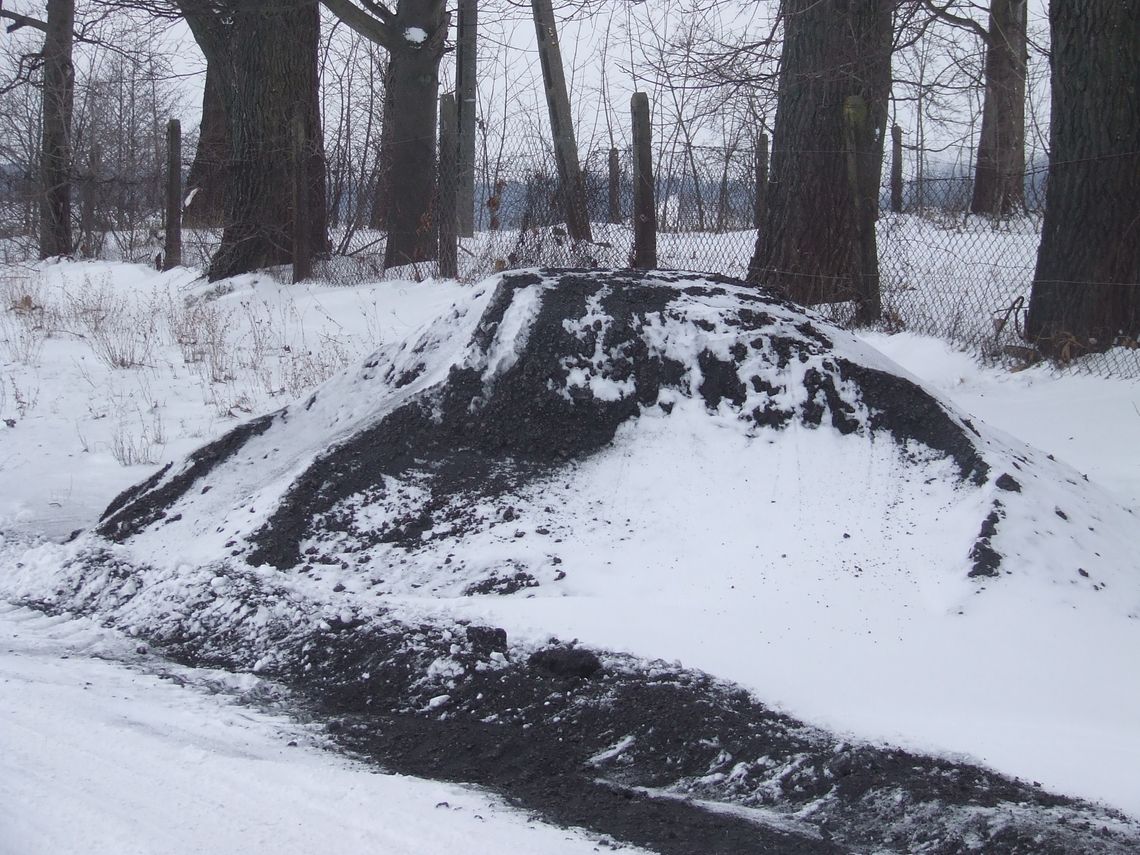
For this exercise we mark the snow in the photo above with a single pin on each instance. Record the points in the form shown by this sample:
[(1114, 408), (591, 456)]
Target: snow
[(1087, 421), (882, 640), (205, 360), (751, 572), (415, 35), (140, 763)]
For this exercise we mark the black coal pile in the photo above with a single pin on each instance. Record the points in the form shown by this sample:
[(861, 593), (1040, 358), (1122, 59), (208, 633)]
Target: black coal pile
[(258, 552)]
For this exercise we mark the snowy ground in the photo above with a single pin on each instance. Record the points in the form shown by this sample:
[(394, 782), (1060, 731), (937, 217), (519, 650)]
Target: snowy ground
[(100, 756), (1040, 689)]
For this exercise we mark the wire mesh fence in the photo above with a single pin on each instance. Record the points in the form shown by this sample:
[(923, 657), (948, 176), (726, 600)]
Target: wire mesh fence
[(942, 271)]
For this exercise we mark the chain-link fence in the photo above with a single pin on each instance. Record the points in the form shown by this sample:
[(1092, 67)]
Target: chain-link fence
[(942, 271)]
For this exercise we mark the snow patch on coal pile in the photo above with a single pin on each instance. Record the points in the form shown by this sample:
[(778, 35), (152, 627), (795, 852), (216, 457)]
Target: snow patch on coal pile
[(671, 466)]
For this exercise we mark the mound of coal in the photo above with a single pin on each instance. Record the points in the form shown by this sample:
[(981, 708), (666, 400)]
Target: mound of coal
[(641, 457), (554, 365)]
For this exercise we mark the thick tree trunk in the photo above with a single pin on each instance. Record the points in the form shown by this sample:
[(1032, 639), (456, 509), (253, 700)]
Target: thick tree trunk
[(1086, 290), (410, 119), (999, 175), (207, 178), (267, 56), (55, 153), (818, 239)]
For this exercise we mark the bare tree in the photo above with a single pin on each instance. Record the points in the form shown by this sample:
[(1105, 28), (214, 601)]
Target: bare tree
[(1086, 289), (999, 172), (123, 102), (352, 111), (414, 36), (206, 181), (999, 178), (266, 54), (819, 241), (58, 100)]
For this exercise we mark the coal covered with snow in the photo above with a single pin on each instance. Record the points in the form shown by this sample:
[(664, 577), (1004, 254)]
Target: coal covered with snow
[(556, 363), (766, 466)]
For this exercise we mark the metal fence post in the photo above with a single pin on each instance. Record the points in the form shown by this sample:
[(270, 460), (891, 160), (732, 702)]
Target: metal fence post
[(302, 255), (448, 188), (896, 170), (172, 252), (760, 201)]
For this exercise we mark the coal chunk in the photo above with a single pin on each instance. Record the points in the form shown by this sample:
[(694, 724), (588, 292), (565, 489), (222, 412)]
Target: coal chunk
[(487, 639), (566, 662)]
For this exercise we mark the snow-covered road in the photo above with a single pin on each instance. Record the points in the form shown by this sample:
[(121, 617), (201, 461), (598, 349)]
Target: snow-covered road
[(101, 758)]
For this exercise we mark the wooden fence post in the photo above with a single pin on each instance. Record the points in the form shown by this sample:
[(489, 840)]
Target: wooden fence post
[(448, 216), (615, 187), (863, 186), (89, 242), (172, 254), (760, 201), (465, 92), (896, 170), (561, 122), (644, 204), (302, 255)]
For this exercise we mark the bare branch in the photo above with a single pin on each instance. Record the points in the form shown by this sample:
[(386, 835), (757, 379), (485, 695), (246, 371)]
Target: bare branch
[(20, 21), (372, 28), (380, 11), (943, 13)]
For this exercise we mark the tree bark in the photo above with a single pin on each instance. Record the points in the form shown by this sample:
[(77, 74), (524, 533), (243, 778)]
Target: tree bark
[(999, 175), (410, 119), (1086, 294), (207, 177), (55, 150), (267, 55), (827, 152), (414, 36)]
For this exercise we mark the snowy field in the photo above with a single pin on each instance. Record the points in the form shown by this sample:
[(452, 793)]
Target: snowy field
[(110, 370)]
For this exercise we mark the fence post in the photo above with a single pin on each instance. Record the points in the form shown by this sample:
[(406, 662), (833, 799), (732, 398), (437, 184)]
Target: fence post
[(302, 258), (561, 122), (863, 184), (172, 255), (615, 188), (760, 203), (88, 243), (449, 218), (644, 204), (465, 93), (896, 169)]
